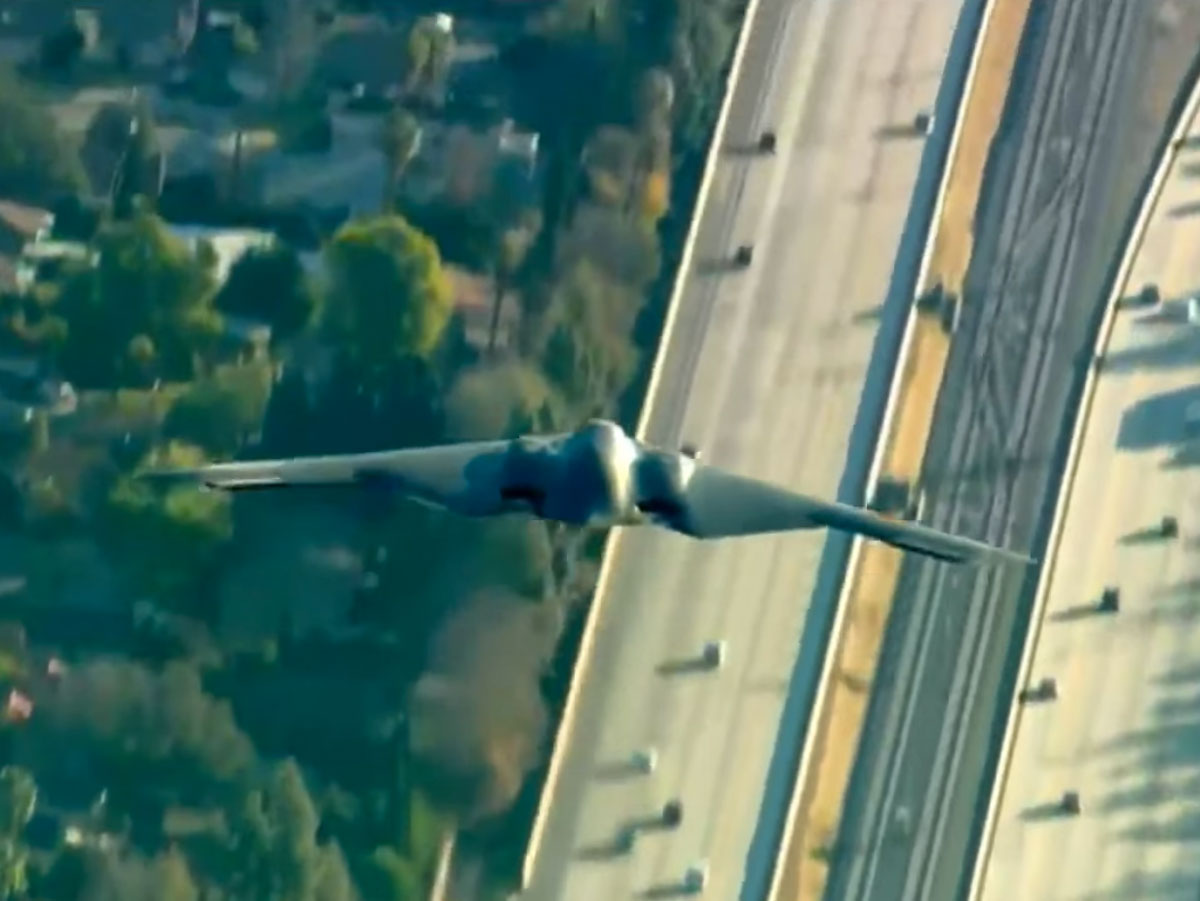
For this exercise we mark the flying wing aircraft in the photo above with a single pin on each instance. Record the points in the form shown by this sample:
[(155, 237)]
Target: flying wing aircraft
[(597, 475)]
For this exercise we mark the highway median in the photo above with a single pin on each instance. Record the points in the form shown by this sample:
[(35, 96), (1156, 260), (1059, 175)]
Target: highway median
[(871, 579)]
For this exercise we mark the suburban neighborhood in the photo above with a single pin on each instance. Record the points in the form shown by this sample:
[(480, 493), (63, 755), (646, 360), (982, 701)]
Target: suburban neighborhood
[(273, 227)]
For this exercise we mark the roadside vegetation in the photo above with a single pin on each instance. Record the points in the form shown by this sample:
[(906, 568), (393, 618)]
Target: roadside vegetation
[(298, 698)]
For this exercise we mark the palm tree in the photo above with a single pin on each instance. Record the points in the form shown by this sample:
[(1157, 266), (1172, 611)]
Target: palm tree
[(509, 255), (400, 140)]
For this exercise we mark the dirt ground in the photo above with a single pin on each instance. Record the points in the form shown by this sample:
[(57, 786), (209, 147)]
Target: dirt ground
[(874, 580)]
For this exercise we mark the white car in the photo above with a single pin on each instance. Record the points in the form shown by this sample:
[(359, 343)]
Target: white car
[(1193, 310), (646, 760)]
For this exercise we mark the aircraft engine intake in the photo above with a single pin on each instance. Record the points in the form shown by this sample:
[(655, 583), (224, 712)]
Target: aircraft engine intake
[(659, 482)]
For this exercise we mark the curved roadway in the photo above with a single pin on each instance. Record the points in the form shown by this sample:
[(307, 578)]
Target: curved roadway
[(1123, 730), (1084, 116), (764, 370)]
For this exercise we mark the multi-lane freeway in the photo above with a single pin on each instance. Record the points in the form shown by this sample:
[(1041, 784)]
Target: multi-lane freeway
[(1122, 732), (1087, 107), (764, 369)]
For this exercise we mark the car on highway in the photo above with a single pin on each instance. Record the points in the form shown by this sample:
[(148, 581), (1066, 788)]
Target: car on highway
[(713, 654), (695, 878), (672, 813), (645, 760)]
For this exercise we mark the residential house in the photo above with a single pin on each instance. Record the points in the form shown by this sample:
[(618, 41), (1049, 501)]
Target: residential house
[(18, 707), (460, 165), (27, 385), (364, 55), (20, 225), (126, 32), (228, 245), (474, 298)]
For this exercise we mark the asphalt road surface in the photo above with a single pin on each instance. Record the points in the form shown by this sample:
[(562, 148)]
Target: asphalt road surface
[(764, 371), (1123, 731), (1078, 138)]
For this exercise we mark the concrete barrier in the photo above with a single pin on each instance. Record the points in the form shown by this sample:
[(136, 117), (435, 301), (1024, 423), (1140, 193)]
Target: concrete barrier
[(969, 67), (587, 640), (1042, 590)]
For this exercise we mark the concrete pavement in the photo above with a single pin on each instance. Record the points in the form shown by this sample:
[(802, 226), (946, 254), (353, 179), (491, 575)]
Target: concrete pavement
[(1064, 177), (1123, 731), (764, 370)]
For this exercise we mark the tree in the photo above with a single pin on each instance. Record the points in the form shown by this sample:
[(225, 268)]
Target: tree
[(145, 283), (276, 852), (145, 724), (131, 877), (588, 352), (270, 284), (291, 41), (18, 799), (37, 164), (388, 296), (656, 196), (14, 869), (140, 168), (389, 876), (218, 415), (399, 140), (60, 51), (502, 400), (427, 58), (700, 42), (478, 719), (622, 248), (169, 541)]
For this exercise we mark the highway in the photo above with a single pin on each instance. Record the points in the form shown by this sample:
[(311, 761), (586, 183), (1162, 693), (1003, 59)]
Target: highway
[(1123, 730), (764, 370), (1088, 106)]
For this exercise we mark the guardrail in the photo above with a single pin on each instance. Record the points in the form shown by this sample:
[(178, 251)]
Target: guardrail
[(965, 67), (587, 639), (1186, 115)]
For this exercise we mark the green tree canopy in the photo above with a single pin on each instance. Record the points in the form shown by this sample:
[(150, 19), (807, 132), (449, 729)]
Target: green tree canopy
[(388, 296), (478, 719), (18, 798), (399, 141), (169, 541), (389, 876), (270, 285), (144, 309), (144, 724), (589, 353), (37, 164), (494, 401), (218, 414), (131, 877), (276, 851)]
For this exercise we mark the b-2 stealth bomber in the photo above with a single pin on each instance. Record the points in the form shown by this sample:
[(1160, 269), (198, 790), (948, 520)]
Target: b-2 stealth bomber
[(595, 476)]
